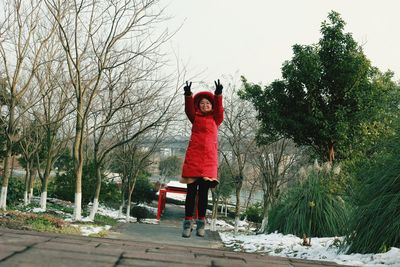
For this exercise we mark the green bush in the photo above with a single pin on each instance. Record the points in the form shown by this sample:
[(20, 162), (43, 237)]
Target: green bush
[(140, 212), (110, 193), (144, 191), (254, 213), (63, 186), (15, 190), (375, 223), (312, 207)]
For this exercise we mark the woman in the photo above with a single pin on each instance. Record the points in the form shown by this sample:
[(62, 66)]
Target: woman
[(199, 172)]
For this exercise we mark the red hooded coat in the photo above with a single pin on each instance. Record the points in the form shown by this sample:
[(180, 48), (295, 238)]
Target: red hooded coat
[(202, 152)]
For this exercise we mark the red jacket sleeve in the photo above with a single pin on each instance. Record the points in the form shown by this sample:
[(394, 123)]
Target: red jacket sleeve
[(218, 110), (189, 108)]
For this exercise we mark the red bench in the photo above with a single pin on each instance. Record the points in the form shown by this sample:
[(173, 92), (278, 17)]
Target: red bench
[(162, 197)]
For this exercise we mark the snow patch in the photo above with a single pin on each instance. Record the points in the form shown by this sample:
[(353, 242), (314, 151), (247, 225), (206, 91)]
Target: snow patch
[(325, 249)]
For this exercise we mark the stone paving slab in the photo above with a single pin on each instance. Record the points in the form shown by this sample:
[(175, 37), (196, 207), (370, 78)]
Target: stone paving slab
[(165, 233), (28, 248)]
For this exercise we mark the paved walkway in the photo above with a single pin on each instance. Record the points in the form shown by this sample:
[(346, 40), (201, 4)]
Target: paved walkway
[(169, 230), (133, 245)]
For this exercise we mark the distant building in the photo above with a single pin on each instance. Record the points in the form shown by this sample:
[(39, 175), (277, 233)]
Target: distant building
[(175, 146)]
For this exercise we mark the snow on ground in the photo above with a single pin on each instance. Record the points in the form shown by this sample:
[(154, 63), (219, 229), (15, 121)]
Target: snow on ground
[(38, 210), (102, 210), (176, 184), (87, 230), (221, 225), (274, 244), (150, 221), (115, 214), (277, 244), (176, 196)]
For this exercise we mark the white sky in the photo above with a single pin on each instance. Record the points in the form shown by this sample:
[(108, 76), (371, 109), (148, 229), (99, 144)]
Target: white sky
[(253, 38)]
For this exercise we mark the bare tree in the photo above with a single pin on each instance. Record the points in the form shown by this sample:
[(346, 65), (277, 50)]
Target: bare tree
[(29, 144), (22, 38), (237, 139), (276, 163), (252, 184), (137, 106), (98, 36), (133, 157), (52, 114)]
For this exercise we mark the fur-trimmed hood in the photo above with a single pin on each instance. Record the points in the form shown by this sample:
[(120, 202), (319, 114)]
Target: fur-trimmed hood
[(199, 96)]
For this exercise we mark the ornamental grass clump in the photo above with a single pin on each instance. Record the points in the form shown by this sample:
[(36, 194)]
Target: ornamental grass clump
[(375, 223), (313, 207)]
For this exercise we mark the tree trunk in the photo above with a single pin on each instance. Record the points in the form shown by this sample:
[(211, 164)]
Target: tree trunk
[(270, 188), (131, 188), (8, 157), (226, 207), (237, 209), (128, 208), (27, 183), (6, 177), (97, 193), (32, 174), (121, 208), (215, 197), (45, 182), (331, 152), (253, 186), (266, 207), (78, 160), (123, 195)]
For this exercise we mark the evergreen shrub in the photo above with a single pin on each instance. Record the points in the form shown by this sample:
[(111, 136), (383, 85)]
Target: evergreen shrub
[(15, 190), (312, 207), (254, 213), (140, 213), (375, 223), (63, 185), (144, 191)]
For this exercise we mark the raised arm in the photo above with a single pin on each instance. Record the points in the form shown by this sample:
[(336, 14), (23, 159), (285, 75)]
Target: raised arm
[(189, 102), (218, 109)]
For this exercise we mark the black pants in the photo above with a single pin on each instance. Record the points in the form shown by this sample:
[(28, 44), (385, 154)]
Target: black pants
[(200, 187)]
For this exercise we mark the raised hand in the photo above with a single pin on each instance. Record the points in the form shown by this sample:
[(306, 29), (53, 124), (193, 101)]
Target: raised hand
[(218, 88), (187, 88)]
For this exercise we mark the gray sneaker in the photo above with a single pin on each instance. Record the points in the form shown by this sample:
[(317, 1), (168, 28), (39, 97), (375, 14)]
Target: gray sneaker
[(200, 229), (187, 228)]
